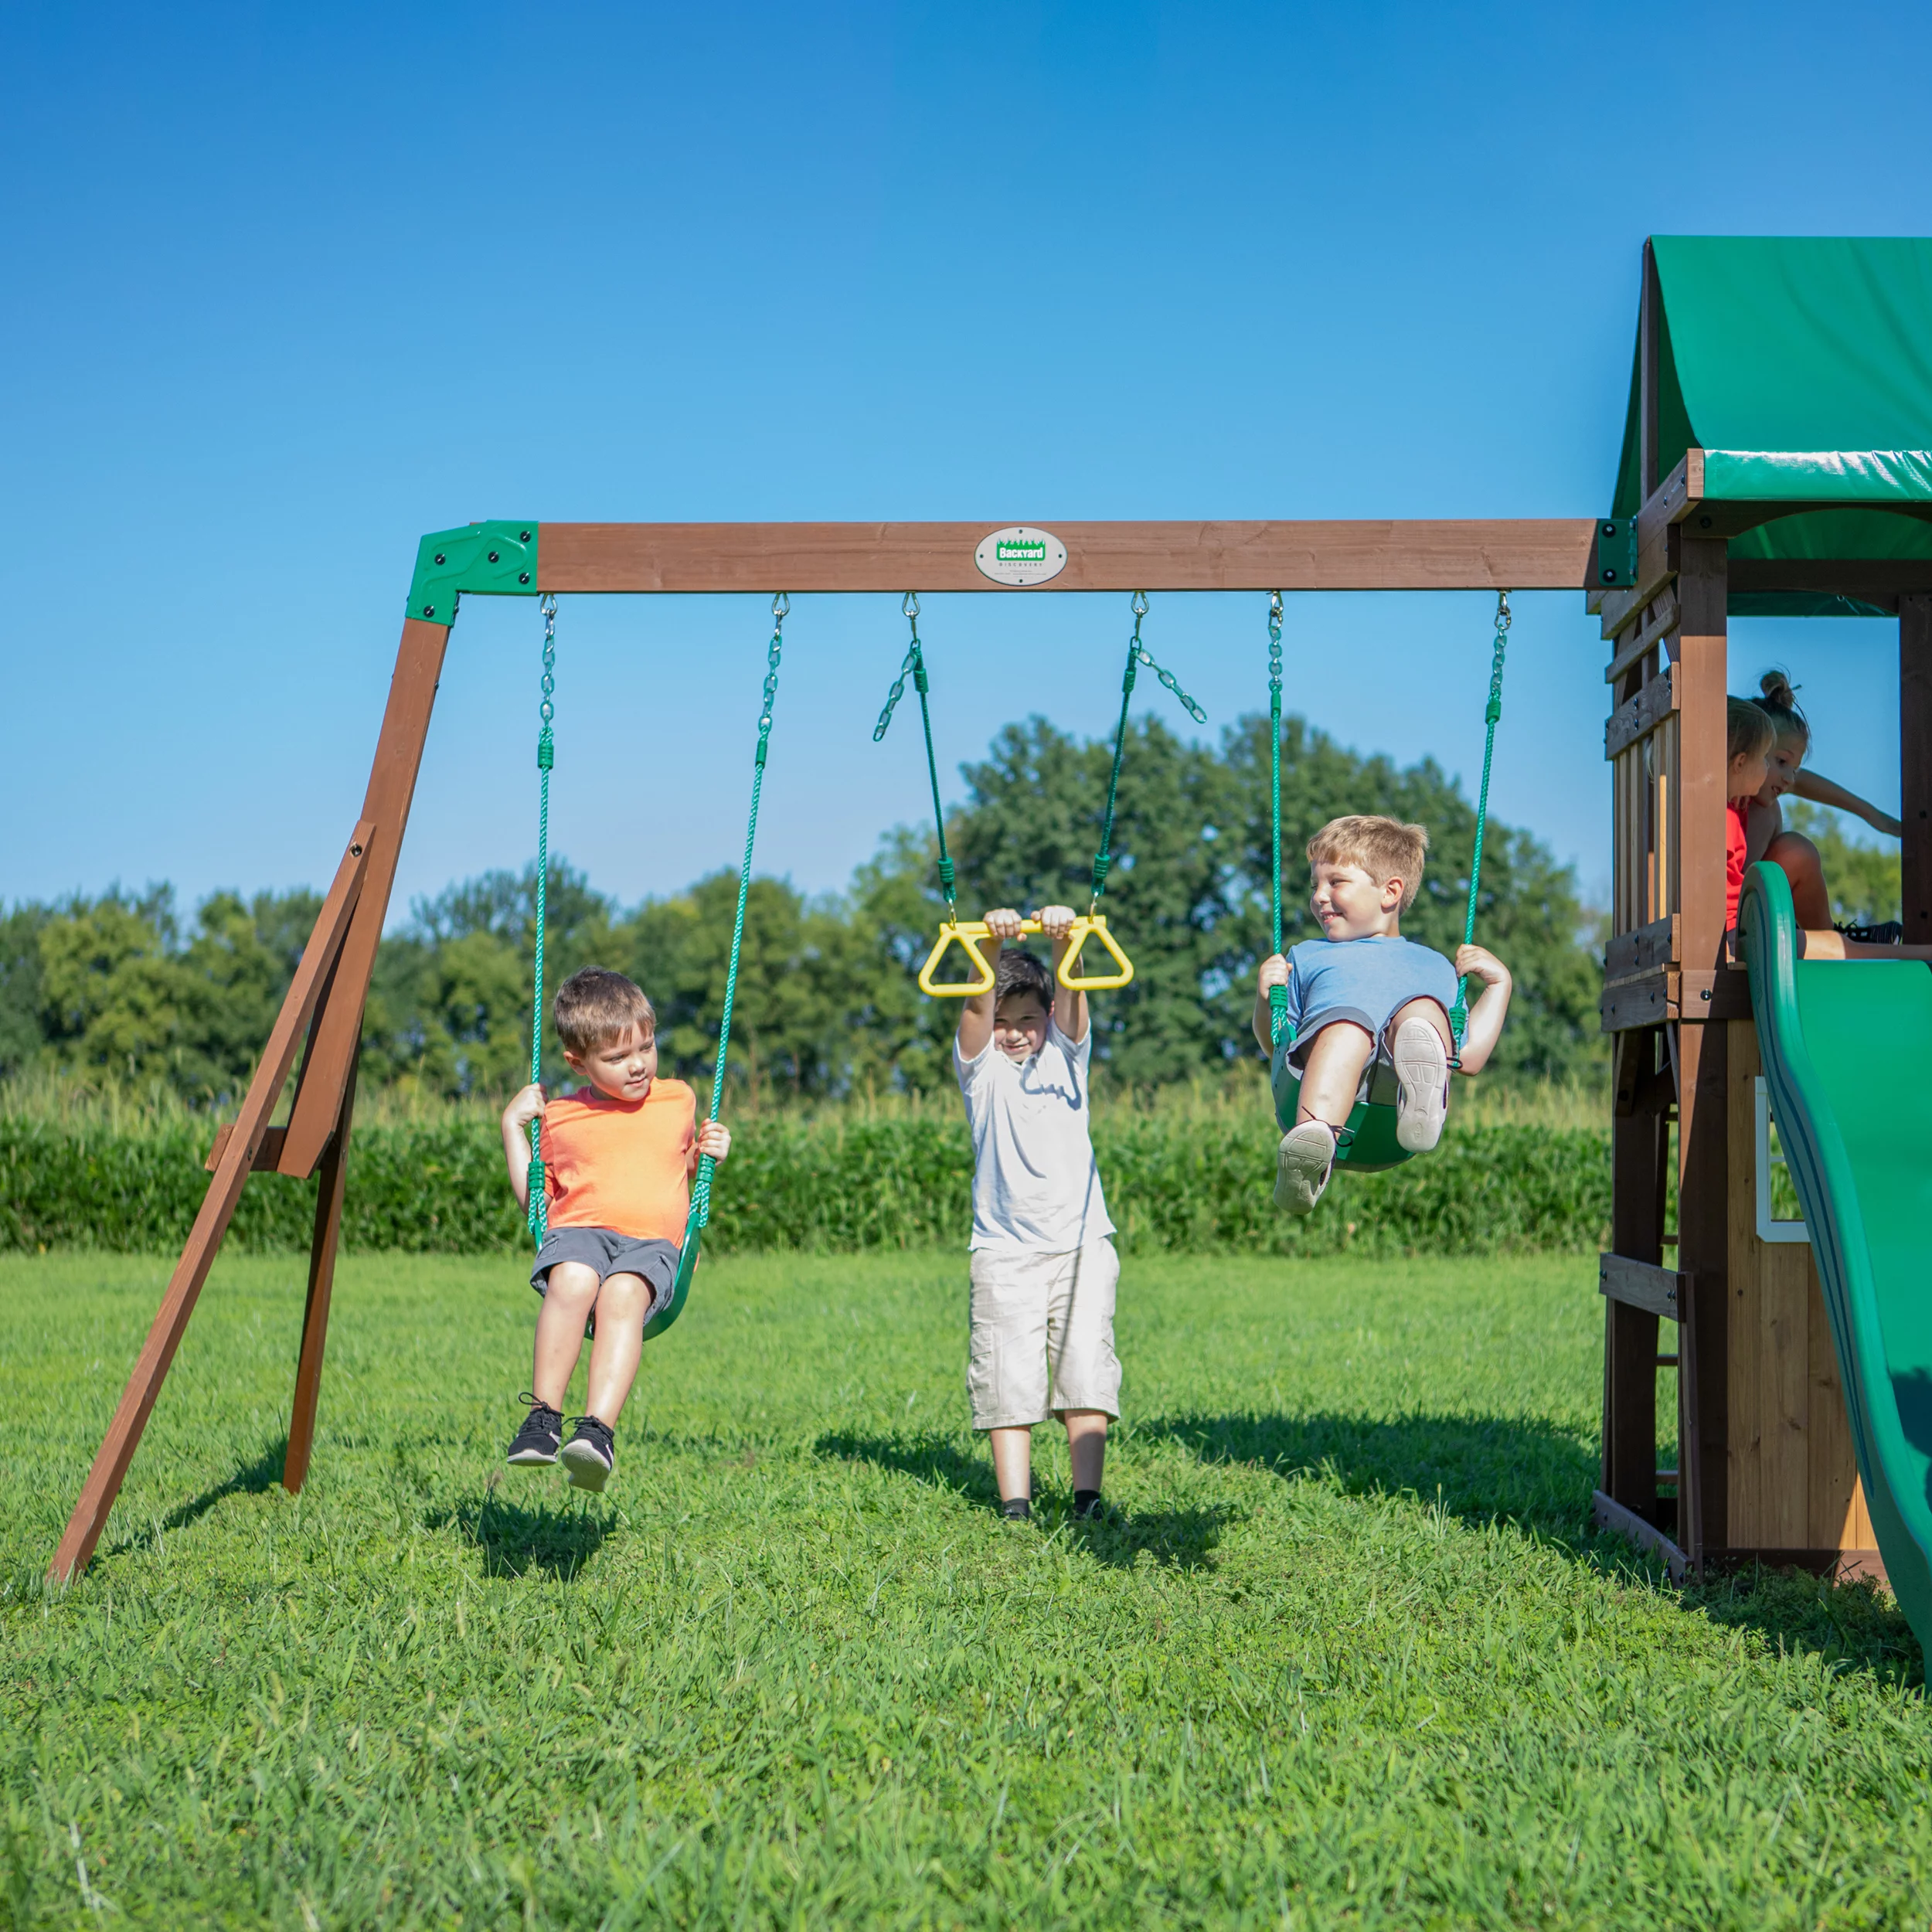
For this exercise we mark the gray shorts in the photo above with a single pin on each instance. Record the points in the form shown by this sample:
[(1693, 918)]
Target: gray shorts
[(609, 1253), (1378, 1082)]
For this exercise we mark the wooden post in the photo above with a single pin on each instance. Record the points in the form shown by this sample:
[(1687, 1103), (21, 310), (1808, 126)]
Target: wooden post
[(392, 787), (1639, 1142), (1702, 1166), (332, 1176), (124, 1435), (1915, 765)]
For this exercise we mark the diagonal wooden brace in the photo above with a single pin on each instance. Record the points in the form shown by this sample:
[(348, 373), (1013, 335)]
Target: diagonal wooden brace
[(238, 1157)]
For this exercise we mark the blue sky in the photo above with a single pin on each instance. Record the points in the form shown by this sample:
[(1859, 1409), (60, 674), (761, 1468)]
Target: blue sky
[(287, 288)]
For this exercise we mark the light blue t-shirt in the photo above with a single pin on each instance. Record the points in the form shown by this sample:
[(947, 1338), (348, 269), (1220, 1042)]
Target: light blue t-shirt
[(1364, 980)]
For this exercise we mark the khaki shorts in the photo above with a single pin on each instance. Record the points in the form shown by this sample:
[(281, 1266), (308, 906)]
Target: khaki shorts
[(1042, 1335)]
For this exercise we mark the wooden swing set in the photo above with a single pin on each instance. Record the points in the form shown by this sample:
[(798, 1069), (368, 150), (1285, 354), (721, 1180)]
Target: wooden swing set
[(1688, 543)]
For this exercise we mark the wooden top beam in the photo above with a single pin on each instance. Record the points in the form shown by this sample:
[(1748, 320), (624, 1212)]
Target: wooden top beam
[(1527, 554)]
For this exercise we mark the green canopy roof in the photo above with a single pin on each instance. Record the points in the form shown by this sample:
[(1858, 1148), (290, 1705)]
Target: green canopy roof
[(1802, 368)]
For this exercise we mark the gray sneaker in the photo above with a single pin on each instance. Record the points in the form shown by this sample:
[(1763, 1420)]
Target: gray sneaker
[(1307, 1160), (590, 1455), (1422, 1085)]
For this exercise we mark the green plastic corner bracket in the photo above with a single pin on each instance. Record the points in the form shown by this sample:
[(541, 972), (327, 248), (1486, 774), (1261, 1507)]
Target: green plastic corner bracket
[(1614, 561), (495, 559)]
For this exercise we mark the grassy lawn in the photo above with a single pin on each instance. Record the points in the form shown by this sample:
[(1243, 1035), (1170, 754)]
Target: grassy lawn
[(1347, 1656)]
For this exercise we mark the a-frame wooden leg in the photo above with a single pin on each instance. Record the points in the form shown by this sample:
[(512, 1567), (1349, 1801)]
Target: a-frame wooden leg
[(116, 1450), (331, 1177)]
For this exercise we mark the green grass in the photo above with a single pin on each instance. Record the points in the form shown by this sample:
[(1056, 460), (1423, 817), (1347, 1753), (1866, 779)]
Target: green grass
[(1348, 1656)]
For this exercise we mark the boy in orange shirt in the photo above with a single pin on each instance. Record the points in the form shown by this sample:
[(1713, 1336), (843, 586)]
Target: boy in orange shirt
[(618, 1156)]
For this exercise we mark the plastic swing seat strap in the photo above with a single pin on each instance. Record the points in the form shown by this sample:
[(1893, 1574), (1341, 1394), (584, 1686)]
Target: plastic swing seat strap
[(538, 1215), (1459, 1013), (700, 1214)]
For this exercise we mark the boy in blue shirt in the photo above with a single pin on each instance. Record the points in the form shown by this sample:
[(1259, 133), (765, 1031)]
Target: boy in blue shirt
[(1363, 995)]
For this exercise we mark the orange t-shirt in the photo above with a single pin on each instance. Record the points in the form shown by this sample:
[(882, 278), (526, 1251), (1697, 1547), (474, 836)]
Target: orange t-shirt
[(621, 1164)]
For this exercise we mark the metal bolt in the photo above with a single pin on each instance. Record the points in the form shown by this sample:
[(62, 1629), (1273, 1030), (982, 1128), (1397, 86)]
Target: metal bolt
[(492, 556), (523, 577), (523, 537), (429, 610), (439, 556), (1703, 523)]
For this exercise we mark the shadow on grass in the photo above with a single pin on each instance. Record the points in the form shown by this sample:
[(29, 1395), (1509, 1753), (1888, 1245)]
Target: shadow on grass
[(1850, 1625), (1180, 1538), (1517, 1468), (515, 1539), (254, 1478)]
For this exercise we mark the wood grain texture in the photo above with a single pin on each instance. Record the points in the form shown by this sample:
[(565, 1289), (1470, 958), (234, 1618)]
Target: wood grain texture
[(183, 1288), (391, 786), (1640, 717), (331, 1179), (1522, 554)]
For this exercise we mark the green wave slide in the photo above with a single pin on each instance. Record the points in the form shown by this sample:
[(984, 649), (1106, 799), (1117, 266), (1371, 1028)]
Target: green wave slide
[(1847, 1046)]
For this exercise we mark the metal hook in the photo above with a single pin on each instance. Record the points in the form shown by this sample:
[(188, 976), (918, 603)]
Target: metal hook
[(1274, 606), (547, 607), (781, 607), (1140, 603), (909, 606), (1502, 612)]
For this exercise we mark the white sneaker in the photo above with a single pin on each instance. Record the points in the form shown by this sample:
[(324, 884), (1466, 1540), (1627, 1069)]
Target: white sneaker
[(1422, 1085), (1306, 1161)]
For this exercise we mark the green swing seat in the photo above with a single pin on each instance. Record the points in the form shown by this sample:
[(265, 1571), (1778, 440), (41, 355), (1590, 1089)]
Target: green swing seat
[(1369, 1144)]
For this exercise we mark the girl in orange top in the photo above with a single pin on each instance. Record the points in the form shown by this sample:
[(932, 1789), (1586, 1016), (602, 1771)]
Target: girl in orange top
[(1749, 736), (618, 1158)]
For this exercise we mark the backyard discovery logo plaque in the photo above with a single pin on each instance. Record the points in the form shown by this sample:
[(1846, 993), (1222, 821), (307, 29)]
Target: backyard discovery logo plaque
[(1021, 555)]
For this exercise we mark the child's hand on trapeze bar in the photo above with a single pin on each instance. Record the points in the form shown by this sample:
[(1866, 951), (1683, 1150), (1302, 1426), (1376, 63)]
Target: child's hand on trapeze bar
[(1003, 923), (1056, 922)]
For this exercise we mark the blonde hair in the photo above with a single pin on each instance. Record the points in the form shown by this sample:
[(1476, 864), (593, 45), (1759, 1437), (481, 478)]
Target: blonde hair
[(1385, 849), (596, 1008), (1749, 732)]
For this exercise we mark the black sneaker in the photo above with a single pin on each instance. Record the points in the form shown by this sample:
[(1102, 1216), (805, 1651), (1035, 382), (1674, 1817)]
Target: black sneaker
[(534, 1445), (1016, 1509), (1892, 932), (1087, 1506), (590, 1455)]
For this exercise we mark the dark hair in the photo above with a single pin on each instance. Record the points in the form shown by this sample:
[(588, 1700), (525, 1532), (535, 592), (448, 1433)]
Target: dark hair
[(1020, 972), (1780, 701), (596, 1008)]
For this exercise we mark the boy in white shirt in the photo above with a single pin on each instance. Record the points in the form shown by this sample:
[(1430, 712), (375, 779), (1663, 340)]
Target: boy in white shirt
[(1044, 1271)]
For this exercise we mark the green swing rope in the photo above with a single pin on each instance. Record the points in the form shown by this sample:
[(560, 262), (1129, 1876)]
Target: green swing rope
[(1459, 1013), (700, 1214), (1136, 655), (539, 1209), (1277, 995), (915, 666)]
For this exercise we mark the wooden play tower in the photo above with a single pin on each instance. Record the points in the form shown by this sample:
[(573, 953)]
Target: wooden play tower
[(1774, 464)]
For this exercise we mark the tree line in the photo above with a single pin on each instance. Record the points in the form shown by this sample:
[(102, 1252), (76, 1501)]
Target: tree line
[(124, 987)]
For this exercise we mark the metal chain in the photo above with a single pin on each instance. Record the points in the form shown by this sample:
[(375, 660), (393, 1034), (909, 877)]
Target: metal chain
[(1459, 1013), (701, 1185), (1137, 654), (1277, 995), (914, 666), (538, 1216)]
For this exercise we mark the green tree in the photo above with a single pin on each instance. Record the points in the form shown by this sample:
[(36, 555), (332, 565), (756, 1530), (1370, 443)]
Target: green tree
[(788, 1025)]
